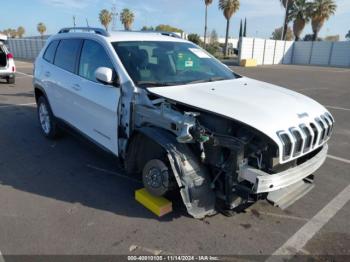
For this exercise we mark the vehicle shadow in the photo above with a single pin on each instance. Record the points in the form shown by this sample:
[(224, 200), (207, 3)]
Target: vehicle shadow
[(69, 169), (27, 94)]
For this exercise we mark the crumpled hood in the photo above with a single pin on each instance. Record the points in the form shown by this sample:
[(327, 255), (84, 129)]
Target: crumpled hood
[(266, 107)]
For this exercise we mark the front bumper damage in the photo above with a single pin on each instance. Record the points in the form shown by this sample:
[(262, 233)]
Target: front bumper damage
[(286, 187)]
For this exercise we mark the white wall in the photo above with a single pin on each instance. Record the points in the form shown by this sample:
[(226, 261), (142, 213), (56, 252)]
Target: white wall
[(258, 51), (268, 52), (302, 53), (25, 48), (321, 53), (340, 54)]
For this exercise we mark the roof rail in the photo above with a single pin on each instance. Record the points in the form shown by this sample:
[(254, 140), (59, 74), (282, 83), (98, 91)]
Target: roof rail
[(98, 31), (171, 34)]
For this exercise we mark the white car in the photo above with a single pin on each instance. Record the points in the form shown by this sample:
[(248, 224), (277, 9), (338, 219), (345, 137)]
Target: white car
[(182, 119), (7, 64)]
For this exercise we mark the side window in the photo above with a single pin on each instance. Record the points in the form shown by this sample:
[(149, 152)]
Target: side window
[(67, 53), (93, 56), (49, 55)]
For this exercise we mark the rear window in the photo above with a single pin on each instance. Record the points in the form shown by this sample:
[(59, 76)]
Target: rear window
[(66, 54), (49, 55)]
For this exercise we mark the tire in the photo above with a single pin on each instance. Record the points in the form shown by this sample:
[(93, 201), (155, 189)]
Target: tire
[(46, 119), (11, 80)]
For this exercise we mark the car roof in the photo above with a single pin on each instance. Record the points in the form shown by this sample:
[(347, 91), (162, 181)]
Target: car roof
[(122, 36)]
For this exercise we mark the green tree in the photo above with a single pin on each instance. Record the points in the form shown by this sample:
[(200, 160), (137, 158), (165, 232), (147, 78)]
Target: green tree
[(277, 34), (168, 28), (245, 28), (348, 35), (41, 27), (214, 39), (127, 18), (207, 3), (321, 11), (105, 18), (20, 31), (213, 47), (287, 4), (309, 37), (13, 33), (241, 29), (147, 28), (194, 38), (300, 15), (228, 7)]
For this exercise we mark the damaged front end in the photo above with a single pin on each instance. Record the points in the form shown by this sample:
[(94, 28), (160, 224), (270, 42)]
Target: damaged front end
[(219, 163)]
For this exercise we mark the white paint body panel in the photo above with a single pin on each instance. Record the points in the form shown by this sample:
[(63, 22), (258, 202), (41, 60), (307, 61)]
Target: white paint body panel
[(265, 107)]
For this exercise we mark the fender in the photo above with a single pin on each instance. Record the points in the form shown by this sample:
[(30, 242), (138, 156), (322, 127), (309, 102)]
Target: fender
[(191, 176), (42, 90)]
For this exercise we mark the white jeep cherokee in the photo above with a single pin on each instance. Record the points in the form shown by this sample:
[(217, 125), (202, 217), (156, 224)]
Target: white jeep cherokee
[(182, 119)]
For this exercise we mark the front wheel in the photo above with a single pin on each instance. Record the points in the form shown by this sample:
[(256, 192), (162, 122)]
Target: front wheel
[(46, 119), (156, 177)]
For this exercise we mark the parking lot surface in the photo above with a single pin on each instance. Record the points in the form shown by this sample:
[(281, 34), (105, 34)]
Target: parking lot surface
[(68, 197)]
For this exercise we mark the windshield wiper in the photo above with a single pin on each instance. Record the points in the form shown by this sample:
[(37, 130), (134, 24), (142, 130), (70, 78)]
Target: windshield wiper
[(213, 79), (153, 83)]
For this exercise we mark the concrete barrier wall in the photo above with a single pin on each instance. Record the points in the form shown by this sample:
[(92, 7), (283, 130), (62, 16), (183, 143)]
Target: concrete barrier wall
[(340, 54), (258, 51), (269, 52), (25, 48)]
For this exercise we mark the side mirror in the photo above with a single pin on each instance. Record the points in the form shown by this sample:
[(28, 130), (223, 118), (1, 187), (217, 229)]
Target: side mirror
[(104, 75)]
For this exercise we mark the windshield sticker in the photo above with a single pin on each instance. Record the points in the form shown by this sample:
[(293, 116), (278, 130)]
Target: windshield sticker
[(189, 63), (199, 53)]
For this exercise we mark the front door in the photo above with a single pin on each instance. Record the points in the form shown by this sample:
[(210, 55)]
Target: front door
[(95, 105)]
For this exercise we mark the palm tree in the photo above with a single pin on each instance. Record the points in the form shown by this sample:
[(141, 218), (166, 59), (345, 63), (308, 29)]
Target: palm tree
[(300, 13), (229, 7), (348, 35), (105, 18), (207, 3), (321, 10), (127, 18), (287, 4), (41, 27), (20, 31)]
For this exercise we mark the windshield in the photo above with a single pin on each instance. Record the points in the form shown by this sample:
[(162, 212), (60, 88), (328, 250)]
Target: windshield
[(151, 63)]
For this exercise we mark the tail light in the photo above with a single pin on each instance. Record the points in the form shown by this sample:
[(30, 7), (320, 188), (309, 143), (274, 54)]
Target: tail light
[(9, 56), (13, 69)]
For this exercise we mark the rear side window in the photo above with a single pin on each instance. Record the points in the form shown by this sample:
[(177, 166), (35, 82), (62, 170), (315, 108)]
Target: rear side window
[(93, 56), (66, 55), (49, 55)]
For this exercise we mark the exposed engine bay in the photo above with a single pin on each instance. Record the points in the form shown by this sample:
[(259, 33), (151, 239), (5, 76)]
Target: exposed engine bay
[(215, 161)]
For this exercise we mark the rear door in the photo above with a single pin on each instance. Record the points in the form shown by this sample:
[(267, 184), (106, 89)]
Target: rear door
[(95, 105), (64, 78)]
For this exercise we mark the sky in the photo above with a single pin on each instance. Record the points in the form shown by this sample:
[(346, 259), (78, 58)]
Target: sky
[(263, 15)]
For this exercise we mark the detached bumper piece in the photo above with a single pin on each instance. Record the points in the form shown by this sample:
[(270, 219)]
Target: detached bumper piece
[(285, 197)]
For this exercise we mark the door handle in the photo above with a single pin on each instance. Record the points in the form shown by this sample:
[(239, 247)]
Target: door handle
[(76, 87), (47, 74)]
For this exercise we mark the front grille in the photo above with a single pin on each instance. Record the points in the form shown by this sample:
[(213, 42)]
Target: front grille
[(306, 137)]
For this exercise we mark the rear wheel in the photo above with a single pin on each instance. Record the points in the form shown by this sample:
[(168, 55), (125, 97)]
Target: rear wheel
[(11, 80), (46, 119)]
